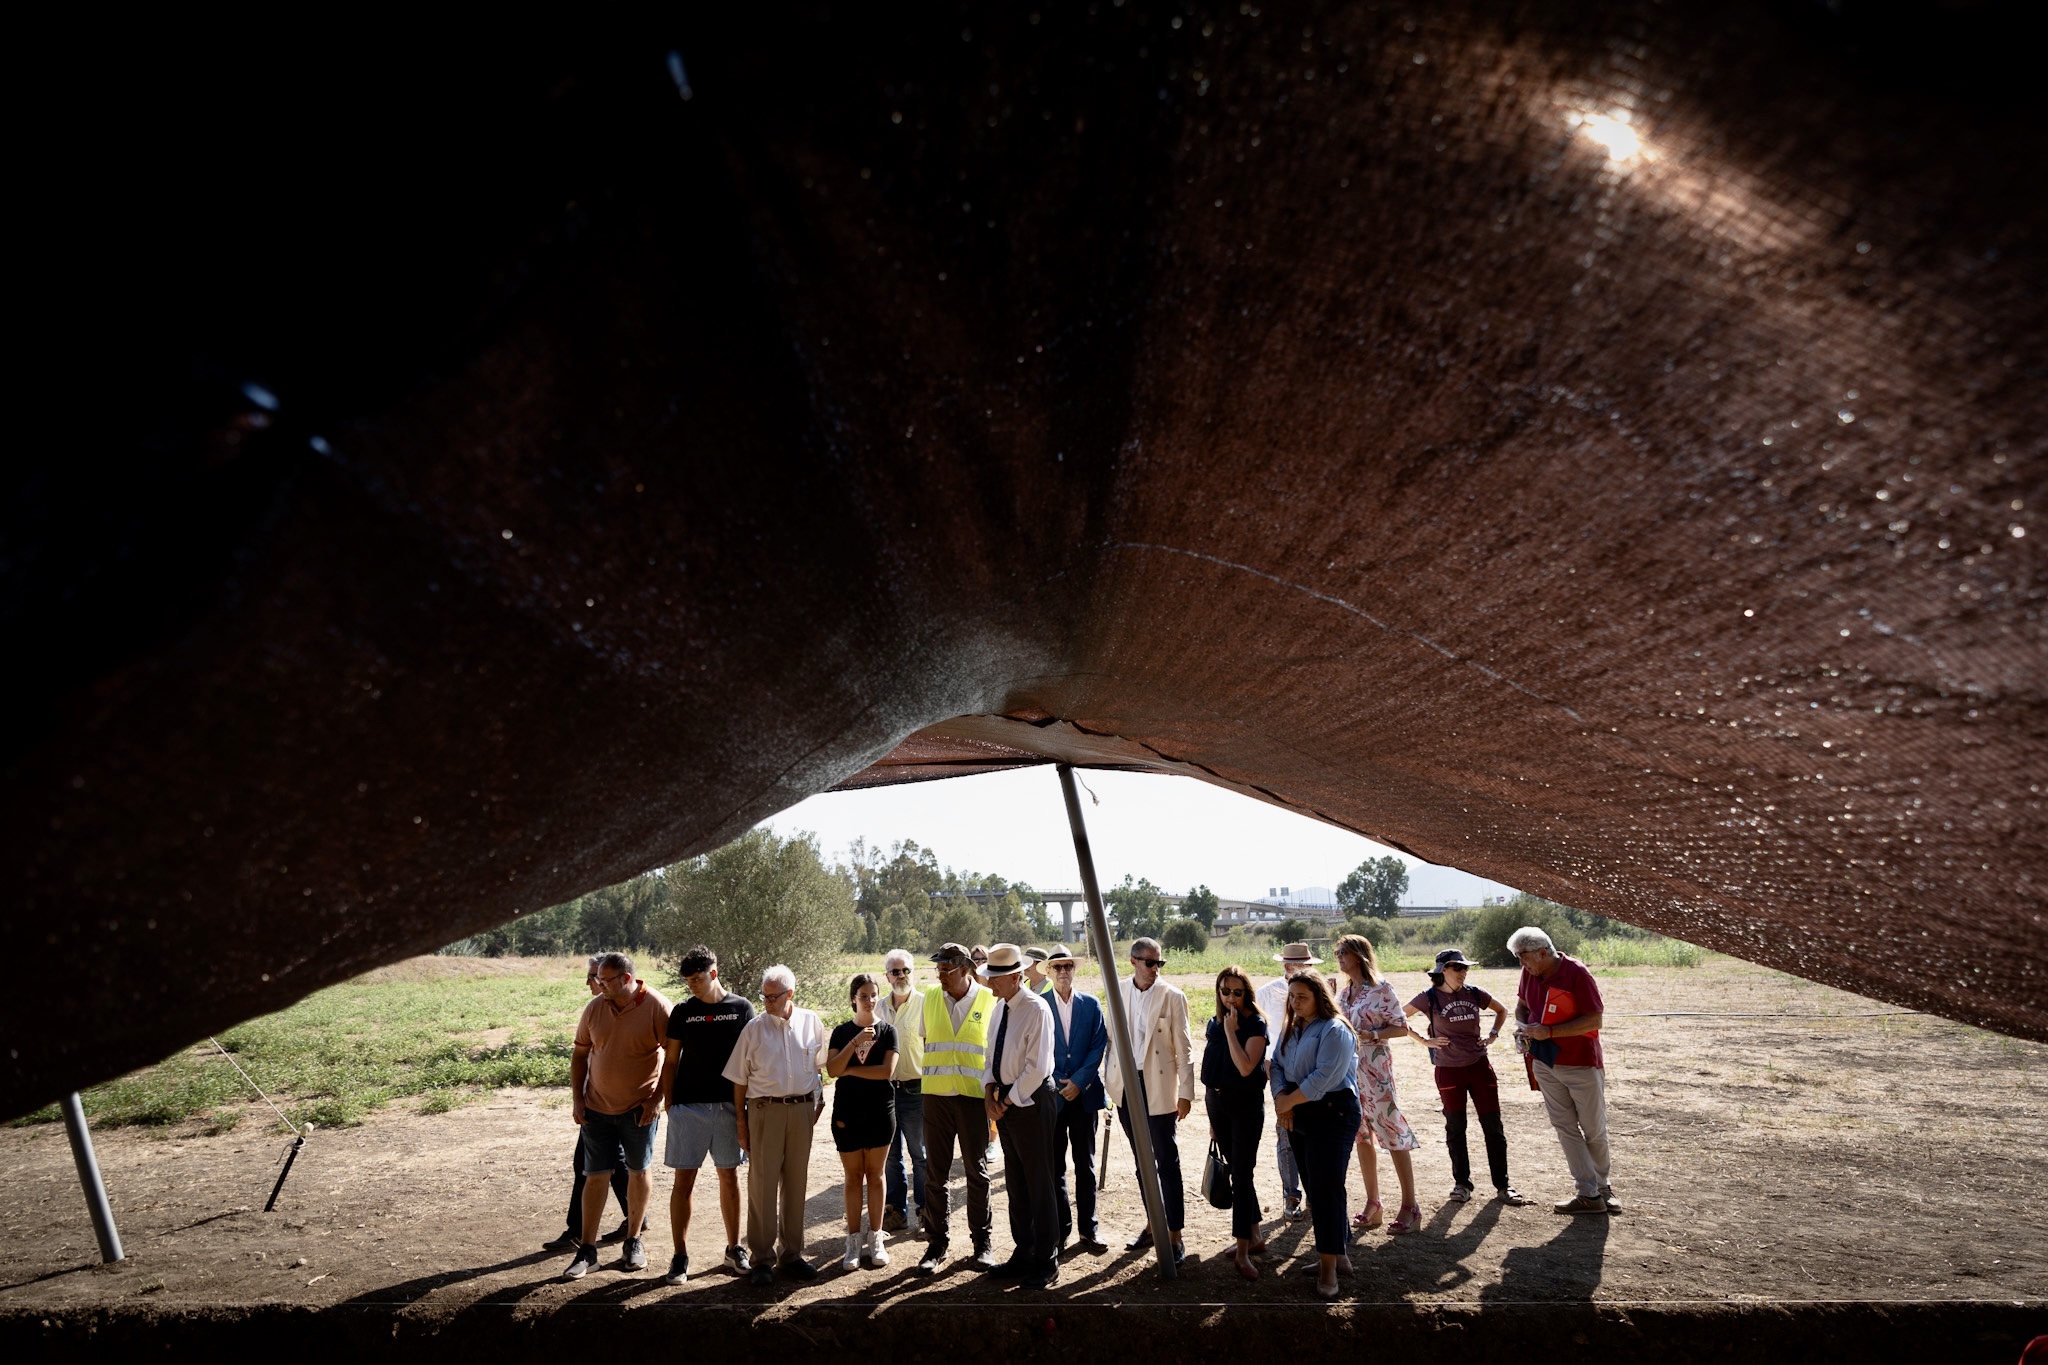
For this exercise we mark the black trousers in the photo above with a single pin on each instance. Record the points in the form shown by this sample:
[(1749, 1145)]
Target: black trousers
[(576, 1191), (1030, 1136), (1165, 1151), (951, 1120), (1075, 1131), (1240, 1121), (1324, 1132)]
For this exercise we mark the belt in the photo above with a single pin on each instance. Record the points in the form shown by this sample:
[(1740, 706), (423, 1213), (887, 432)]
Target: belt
[(783, 1099), (913, 1081)]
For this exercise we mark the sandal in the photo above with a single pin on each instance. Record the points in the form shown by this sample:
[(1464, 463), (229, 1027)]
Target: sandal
[(1369, 1217), (1409, 1221)]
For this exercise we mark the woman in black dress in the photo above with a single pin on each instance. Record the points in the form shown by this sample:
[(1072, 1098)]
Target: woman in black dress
[(1234, 1077), (861, 1057)]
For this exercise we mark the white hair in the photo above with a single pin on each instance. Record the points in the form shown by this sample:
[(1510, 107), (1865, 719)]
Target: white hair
[(1527, 937), (896, 955), (779, 975)]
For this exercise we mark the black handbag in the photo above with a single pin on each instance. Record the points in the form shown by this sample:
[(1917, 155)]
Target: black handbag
[(1216, 1178)]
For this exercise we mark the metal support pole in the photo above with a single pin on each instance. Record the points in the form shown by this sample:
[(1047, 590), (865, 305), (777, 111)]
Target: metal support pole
[(1120, 1035), (89, 1177)]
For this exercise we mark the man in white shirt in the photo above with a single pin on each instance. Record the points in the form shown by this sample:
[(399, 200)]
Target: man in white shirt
[(1158, 1015), (1019, 1098), (778, 1098), (903, 1009), (1294, 959)]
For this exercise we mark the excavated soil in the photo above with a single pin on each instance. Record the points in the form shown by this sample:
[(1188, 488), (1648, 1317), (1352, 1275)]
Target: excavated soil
[(1803, 1177)]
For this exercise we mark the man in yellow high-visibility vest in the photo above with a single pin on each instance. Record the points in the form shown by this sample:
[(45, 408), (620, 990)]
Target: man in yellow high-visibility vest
[(956, 1035)]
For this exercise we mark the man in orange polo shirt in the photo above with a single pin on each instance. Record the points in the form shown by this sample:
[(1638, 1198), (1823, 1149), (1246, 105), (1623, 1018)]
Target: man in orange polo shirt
[(615, 1085)]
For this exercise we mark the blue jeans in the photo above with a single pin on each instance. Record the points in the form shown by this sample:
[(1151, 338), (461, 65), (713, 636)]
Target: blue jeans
[(1290, 1175), (909, 1138)]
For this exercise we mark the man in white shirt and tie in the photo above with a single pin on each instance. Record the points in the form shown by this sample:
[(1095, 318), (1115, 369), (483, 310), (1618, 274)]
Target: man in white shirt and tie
[(1019, 1097)]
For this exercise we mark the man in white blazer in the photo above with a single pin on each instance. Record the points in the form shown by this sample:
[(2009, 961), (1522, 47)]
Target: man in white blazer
[(1158, 1015)]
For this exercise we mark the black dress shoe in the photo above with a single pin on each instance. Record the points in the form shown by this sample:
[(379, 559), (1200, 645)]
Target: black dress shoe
[(1140, 1242), (617, 1234), (1014, 1268), (797, 1268), (1044, 1277), (568, 1241)]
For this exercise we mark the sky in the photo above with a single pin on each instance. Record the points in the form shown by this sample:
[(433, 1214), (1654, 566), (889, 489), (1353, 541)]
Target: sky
[(1178, 831)]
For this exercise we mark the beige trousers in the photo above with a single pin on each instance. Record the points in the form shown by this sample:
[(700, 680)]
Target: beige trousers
[(777, 1165), (1576, 1097)]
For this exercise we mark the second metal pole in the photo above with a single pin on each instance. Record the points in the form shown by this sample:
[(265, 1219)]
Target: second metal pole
[(1120, 1035), (89, 1177)]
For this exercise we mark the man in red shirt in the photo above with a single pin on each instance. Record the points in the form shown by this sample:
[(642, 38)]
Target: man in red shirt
[(1557, 1013)]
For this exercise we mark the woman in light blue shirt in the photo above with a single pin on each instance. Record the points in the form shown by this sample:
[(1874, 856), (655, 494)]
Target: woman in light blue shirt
[(1315, 1095)]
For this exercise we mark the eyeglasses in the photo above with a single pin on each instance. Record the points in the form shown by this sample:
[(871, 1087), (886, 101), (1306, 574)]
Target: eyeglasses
[(604, 980), (1153, 962), (899, 971), (772, 996)]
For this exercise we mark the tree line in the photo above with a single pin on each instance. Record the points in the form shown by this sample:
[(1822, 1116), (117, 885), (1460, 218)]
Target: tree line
[(763, 899)]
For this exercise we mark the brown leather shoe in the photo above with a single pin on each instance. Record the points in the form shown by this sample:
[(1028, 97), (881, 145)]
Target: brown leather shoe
[(1584, 1203)]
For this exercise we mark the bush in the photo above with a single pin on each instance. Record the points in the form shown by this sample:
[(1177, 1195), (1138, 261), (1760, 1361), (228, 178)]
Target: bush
[(758, 901), (961, 922), (1486, 942), (1291, 931), (1378, 932), (1185, 936)]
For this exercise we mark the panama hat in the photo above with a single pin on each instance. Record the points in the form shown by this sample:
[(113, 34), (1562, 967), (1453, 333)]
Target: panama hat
[(1297, 954), (1003, 959)]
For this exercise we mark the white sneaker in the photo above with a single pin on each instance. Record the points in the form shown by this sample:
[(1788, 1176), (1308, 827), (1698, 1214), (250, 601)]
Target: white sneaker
[(877, 1257), (851, 1260)]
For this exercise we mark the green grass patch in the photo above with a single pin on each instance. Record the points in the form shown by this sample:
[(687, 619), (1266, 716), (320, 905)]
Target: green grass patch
[(1641, 952), (339, 1054)]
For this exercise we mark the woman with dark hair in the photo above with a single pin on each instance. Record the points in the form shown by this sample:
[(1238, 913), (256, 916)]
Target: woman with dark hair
[(1374, 1013), (1463, 1071), (1234, 1077), (1315, 1094), (861, 1057)]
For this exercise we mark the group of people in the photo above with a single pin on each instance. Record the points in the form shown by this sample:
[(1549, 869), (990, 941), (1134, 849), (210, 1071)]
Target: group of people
[(1004, 1052)]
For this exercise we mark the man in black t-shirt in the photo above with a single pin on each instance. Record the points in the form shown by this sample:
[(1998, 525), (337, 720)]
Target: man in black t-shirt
[(702, 1029)]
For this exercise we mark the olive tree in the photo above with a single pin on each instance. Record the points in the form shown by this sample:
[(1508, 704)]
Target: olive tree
[(758, 901)]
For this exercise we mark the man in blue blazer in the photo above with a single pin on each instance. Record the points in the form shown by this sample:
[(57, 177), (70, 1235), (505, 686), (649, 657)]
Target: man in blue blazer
[(1079, 1040)]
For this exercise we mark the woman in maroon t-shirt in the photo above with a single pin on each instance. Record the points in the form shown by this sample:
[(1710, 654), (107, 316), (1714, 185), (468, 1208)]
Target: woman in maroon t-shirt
[(1453, 1010)]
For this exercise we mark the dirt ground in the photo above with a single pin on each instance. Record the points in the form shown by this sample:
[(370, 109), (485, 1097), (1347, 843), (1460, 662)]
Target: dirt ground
[(1804, 1156)]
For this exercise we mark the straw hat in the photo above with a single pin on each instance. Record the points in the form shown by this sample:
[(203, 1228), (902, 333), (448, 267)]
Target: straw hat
[(1003, 960), (1297, 955)]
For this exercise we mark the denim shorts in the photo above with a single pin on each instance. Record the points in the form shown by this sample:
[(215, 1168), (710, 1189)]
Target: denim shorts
[(699, 1130), (609, 1139)]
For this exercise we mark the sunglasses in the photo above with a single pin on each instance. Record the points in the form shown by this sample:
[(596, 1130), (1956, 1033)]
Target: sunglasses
[(1153, 962), (899, 971), (1063, 966), (1454, 966), (1232, 993)]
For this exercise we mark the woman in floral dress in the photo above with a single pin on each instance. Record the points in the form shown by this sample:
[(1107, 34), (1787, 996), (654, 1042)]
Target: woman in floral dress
[(1374, 1012)]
